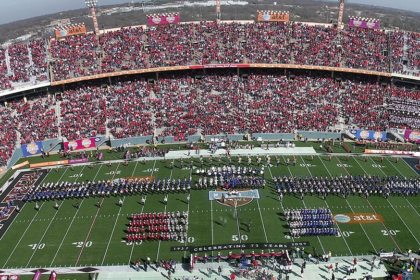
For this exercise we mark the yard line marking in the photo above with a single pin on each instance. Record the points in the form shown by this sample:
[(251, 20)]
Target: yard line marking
[(170, 177), (237, 224), (188, 211), (142, 208), (262, 221), (345, 241), (349, 204), (28, 225), (71, 223), (319, 240), (389, 234), (93, 223)]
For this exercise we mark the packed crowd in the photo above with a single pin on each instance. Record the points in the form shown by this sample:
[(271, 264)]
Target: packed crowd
[(404, 108)]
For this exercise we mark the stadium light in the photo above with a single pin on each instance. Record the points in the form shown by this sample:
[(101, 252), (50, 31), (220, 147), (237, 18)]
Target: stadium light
[(92, 4)]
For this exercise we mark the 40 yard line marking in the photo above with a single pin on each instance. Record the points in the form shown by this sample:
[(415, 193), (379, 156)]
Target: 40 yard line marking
[(93, 223), (52, 219), (345, 241), (71, 223)]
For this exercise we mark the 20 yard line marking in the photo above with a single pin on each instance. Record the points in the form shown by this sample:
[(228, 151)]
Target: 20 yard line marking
[(93, 223), (116, 221)]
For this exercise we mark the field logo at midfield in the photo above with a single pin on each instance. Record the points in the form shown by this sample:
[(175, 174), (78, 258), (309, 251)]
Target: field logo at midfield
[(234, 198), (358, 218)]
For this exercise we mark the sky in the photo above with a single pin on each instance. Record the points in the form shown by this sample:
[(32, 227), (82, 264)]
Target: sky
[(13, 10)]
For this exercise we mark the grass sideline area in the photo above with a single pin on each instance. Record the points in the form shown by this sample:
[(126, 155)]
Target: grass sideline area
[(95, 236)]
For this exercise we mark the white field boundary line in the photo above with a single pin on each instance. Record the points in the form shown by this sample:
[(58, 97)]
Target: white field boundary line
[(373, 209), (319, 240), (370, 241), (188, 211), (345, 241), (404, 176), (116, 221), (52, 220), (71, 223), (158, 251), (28, 225), (392, 206), (281, 203), (93, 222), (142, 209)]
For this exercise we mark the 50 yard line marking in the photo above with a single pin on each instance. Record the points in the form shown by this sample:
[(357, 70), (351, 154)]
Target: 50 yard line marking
[(345, 241), (68, 229), (188, 211), (116, 221), (28, 225), (52, 219), (93, 223)]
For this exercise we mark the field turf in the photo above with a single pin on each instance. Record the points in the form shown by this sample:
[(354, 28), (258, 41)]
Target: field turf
[(95, 236)]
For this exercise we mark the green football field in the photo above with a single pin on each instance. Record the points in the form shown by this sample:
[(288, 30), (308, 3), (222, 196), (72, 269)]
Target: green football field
[(89, 235)]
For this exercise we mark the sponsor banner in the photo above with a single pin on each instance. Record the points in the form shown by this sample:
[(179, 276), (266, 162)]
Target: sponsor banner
[(2, 169), (20, 165), (49, 163), (163, 19), (14, 277), (4, 277), (240, 246), (37, 275), (78, 160), (272, 17), (364, 23), (80, 144), (416, 154), (413, 136), (70, 31), (358, 218), (370, 135), (391, 152), (98, 139), (53, 275), (32, 149), (386, 255)]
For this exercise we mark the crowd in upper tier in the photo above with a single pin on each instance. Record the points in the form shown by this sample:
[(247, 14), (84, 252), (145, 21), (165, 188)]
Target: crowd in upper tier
[(181, 104), (131, 48)]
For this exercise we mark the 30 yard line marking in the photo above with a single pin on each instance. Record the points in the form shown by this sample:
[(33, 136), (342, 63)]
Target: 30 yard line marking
[(116, 220), (345, 241), (93, 223), (30, 222), (71, 223)]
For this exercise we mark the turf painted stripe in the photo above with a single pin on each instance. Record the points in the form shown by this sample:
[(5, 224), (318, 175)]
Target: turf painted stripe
[(93, 223), (370, 241), (345, 241), (262, 221), (71, 223), (373, 209), (188, 211)]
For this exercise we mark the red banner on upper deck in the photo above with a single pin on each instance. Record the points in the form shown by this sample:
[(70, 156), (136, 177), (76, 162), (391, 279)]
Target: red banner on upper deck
[(80, 144), (161, 19)]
